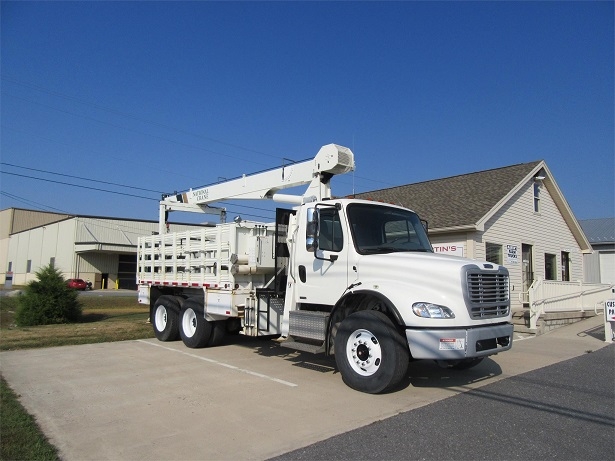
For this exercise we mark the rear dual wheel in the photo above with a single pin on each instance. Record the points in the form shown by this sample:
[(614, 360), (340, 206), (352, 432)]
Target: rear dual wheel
[(165, 318), (195, 330)]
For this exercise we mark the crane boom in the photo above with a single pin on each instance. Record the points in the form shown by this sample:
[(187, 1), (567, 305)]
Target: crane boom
[(317, 172)]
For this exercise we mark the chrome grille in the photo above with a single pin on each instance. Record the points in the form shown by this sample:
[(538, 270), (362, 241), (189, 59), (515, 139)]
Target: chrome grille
[(487, 294)]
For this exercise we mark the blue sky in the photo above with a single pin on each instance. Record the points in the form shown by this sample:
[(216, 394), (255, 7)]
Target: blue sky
[(165, 96)]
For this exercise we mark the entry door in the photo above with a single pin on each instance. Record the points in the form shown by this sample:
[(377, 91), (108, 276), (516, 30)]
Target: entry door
[(565, 266), (527, 259), (322, 276)]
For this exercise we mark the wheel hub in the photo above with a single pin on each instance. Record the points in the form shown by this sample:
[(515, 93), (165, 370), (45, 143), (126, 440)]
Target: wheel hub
[(189, 323), (161, 318), (364, 352)]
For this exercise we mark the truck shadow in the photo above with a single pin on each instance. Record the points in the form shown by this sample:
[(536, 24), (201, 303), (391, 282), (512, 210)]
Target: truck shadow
[(427, 373), (421, 373)]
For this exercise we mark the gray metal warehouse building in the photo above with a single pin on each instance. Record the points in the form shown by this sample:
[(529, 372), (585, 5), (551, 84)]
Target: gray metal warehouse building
[(99, 249)]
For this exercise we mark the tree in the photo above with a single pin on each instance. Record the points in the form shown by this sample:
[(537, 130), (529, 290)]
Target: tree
[(47, 300)]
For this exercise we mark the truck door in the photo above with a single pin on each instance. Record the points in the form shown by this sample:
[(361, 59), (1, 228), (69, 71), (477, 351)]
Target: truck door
[(322, 274)]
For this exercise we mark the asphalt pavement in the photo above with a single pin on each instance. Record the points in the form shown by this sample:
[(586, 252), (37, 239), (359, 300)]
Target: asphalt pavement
[(564, 412), (550, 396), (110, 293)]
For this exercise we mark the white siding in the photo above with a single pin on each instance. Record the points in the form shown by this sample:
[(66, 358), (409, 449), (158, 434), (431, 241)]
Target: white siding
[(517, 223), (448, 243), (591, 267), (607, 267)]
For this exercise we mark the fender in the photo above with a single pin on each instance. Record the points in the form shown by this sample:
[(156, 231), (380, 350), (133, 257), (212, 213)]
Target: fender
[(403, 290), (337, 313), (375, 294)]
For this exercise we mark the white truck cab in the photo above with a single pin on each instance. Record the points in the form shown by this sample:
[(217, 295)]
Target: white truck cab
[(351, 278)]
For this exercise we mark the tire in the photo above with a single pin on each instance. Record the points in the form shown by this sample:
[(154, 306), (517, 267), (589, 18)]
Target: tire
[(194, 330), (370, 353), (165, 318)]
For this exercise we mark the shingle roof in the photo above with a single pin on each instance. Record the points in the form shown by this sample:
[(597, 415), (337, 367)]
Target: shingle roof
[(456, 201), (599, 230)]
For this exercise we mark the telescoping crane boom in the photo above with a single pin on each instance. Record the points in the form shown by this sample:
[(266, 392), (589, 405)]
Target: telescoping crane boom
[(329, 161)]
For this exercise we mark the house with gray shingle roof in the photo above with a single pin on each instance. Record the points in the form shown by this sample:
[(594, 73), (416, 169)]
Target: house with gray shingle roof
[(600, 265), (515, 215)]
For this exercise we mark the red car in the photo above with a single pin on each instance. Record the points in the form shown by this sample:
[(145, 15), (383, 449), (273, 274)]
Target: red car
[(77, 284)]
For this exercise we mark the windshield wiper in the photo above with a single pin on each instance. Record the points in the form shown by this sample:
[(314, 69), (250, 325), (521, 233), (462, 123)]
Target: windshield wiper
[(374, 250), (393, 250)]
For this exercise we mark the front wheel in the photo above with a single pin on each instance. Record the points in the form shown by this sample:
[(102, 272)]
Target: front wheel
[(370, 353)]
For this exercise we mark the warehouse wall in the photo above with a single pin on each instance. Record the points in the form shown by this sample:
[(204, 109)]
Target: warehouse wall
[(101, 250)]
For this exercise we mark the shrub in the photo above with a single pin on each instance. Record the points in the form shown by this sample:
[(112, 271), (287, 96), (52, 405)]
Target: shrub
[(47, 300)]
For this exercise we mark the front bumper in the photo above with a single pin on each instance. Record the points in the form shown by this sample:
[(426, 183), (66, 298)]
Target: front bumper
[(456, 344)]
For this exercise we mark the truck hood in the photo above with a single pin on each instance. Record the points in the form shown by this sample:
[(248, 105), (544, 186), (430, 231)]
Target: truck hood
[(430, 262), (411, 277)]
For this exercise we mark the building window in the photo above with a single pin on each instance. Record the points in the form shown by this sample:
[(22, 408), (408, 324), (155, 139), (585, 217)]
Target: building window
[(494, 253), (527, 259), (550, 267), (52, 262), (565, 266), (10, 269), (29, 266), (536, 197)]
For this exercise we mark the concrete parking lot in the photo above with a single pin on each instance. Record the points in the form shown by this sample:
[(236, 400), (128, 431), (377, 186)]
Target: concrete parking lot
[(248, 399)]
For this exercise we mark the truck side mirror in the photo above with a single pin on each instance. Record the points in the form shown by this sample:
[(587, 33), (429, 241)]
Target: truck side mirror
[(311, 230)]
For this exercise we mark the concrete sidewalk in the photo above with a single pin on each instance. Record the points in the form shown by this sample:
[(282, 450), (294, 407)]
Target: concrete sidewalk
[(143, 400), (530, 352)]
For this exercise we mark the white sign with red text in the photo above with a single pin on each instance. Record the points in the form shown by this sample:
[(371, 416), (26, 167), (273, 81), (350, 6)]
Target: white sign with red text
[(610, 310), (448, 249)]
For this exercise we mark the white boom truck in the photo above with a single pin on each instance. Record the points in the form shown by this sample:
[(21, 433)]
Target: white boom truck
[(353, 278)]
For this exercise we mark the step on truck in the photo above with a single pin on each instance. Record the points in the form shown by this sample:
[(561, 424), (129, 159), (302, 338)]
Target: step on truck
[(356, 279)]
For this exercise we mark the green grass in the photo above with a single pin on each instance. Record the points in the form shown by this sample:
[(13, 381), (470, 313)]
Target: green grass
[(20, 436), (105, 318)]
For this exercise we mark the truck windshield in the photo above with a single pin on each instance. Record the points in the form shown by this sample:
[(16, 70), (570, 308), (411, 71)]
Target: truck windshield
[(382, 229)]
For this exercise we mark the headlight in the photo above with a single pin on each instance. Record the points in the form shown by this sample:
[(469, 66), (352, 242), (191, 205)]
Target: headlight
[(432, 311)]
